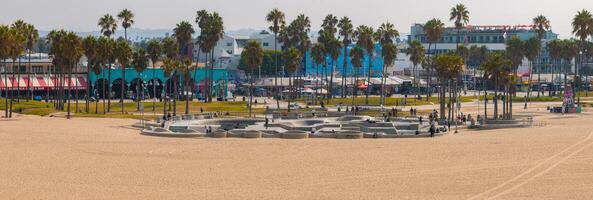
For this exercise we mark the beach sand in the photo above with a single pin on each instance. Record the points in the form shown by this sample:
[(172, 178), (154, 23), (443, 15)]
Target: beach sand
[(85, 158)]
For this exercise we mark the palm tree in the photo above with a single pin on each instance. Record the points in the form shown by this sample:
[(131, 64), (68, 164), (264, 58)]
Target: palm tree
[(495, 68), (16, 49), (327, 36), (346, 31), (356, 55), (127, 19), (416, 53), (460, 15), (541, 24), (5, 43), (292, 59), (253, 56), (385, 35), (582, 27), (448, 66), (108, 26), (140, 62), (21, 27), (32, 36), (365, 38), (73, 52), (515, 53), (569, 52), (532, 49), (155, 51), (171, 50), (555, 49), (182, 33), (106, 54), (123, 52), (318, 55), (90, 46), (276, 18), (211, 31), (389, 54), (433, 29)]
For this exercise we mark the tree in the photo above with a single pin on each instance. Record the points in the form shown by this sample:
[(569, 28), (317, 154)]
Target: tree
[(541, 24), (5, 43), (106, 55), (292, 59), (385, 35), (127, 19), (32, 37), (108, 26), (21, 27), (155, 51), (140, 63), (416, 53), (327, 36), (448, 67), (460, 15), (555, 51), (433, 29), (346, 31), (183, 32), (582, 27), (123, 53), (495, 69), (90, 47), (532, 49), (276, 18), (356, 55), (365, 37), (253, 55), (389, 54), (515, 53), (318, 55), (171, 50), (16, 47)]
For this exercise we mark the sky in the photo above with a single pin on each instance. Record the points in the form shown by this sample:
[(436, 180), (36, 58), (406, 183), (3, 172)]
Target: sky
[(82, 15)]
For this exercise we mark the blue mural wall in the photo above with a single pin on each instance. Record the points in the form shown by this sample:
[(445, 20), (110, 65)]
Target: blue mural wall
[(149, 74), (376, 64)]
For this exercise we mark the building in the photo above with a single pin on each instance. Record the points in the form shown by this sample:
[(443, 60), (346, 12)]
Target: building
[(491, 36)]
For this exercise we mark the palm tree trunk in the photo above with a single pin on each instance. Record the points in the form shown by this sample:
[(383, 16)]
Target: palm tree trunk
[(429, 80), (529, 84), (331, 82), (383, 85), (354, 87), (123, 88), (109, 89), (28, 71), (369, 79), (69, 90), (138, 98), (176, 95), (345, 58), (495, 99), (88, 88), (154, 87), (18, 80), (165, 99)]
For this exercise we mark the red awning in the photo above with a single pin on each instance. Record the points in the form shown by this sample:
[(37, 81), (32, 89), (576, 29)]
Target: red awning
[(43, 83)]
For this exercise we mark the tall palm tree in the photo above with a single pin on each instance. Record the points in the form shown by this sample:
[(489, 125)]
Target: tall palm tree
[(32, 36), (73, 52), (90, 47), (276, 18), (515, 53), (108, 26), (447, 66), (346, 31), (495, 68), (433, 29), (555, 50), (416, 53), (318, 56), (532, 49), (365, 38), (140, 63), (155, 51), (570, 51), (106, 55), (332, 45), (389, 54), (5, 43), (357, 55), (460, 15), (127, 19), (171, 51), (16, 49), (123, 52), (292, 59), (21, 27), (211, 31), (582, 27), (541, 24), (385, 35), (182, 33), (253, 55)]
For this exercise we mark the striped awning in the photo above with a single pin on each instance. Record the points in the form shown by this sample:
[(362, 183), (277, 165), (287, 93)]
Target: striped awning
[(42, 82)]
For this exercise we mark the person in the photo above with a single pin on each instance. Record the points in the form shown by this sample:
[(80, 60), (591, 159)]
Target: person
[(168, 116), (420, 120), (243, 98), (313, 113), (339, 109), (431, 130), (411, 112), (313, 130), (201, 110), (266, 124)]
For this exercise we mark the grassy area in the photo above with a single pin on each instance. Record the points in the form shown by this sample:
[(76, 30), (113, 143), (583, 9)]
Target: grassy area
[(391, 101), (44, 109), (531, 98)]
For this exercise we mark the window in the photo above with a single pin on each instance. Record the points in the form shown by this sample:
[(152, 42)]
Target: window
[(266, 44), (229, 44)]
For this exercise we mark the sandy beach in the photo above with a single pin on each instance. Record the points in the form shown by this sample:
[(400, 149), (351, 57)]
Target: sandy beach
[(85, 158)]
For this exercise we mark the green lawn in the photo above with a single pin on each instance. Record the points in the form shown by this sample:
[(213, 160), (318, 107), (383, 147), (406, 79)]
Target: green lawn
[(44, 109)]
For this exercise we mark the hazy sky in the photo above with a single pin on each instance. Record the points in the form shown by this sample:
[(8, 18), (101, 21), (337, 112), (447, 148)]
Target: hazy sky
[(82, 15)]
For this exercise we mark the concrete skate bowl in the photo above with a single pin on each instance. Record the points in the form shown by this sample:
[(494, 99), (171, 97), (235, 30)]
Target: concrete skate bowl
[(295, 134), (225, 122), (349, 135), (161, 132), (245, 133), (219, 134), (352, 118), (308, 122)]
